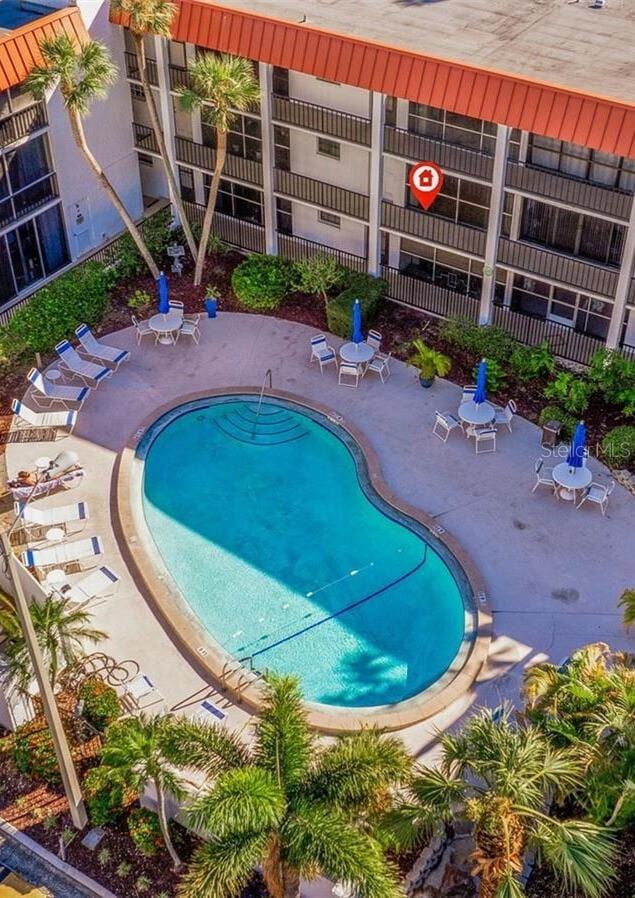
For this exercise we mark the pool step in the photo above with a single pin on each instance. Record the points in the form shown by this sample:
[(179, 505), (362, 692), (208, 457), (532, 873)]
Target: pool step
[(269, 428)]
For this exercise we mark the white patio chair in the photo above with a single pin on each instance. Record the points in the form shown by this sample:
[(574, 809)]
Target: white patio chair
[(109, 355), (189, 329), (143, 329), (348, 375), (46, 393), (63, 554), (468, 392), (485, 438), (26, 417), (34, 518), (175, 305), (374, 340), (89, 372), (140, 693), (444, 424), (504, 416), (380, 366), (100, 584), (194, 317), (598, 494), (321, 351), (544, 476)]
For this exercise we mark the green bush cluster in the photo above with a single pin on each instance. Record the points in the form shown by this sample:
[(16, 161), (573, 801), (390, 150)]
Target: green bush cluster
[(157, 236), (496, 376), (145, 831), (53, 313), (613, 377), (489, 342), (355, 285), (555, 413), (618, 446), (261, 282), (34, 753), (570, 391), (532, 362), (101, 705), (105, 801)]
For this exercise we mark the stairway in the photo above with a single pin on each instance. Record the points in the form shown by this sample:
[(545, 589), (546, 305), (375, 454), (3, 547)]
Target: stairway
[(270, 426)]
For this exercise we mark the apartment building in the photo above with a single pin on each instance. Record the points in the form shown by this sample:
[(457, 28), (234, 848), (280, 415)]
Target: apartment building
[(534, 228)]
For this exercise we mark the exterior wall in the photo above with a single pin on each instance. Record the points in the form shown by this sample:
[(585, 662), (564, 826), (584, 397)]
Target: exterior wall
[(350, 171), (350, 236), (353, 100)]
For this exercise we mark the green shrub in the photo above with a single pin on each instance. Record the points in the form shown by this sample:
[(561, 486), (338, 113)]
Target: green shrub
[(262, 282), (485, 342), (156, 234), (613, 376), (139, 300), (496, 377), (106, 801), (53, 313), (555, 413), (145, 831), (339, 311), (618, 446), (101, 703), (33, 752), (123, 869), (531, 362), (318, 275), (570, 392)]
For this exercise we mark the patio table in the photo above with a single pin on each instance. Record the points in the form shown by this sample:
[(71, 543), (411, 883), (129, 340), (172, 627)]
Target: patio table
[(165, 325), (356, 353), (570, 480), (476, 412)]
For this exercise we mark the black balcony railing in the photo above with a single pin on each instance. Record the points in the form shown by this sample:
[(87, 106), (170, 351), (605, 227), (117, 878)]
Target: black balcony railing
[(298, 248), (179, 77), (144, 138), (414, 147), (317, 193), (428, 297), (27, 200), (197, 154), (132, 68), (233, 231), (432, 227), (22, 123), (557, 267), (343, 125)]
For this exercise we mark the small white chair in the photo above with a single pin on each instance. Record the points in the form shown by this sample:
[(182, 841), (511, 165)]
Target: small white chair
[(485, 438), (143, 330), (189, 329), (374, 340), (63, 554), (444, 424), (379, 365), (140, 693), (504, 416), (348, 375), (175, 305), (39, 519), (321, 351), (194, 317), (544, 476), (468, 392), (599, 494)]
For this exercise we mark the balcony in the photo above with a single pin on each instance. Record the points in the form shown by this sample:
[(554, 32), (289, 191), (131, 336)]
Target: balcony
[(37, 194), (132, 69), (179, 77), (144, 138), (542, 262), (200, 156), (317, 193), (413, 147), (572, 191), (431, 227), (354, 128), (22, 123)]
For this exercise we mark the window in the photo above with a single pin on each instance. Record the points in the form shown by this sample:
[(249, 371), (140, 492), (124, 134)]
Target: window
[(284, 216), (333, 221), (445, 269), (570, 232), (280, 81), (326, 147), (26, 179), (136, 92), (186, 184), (582, 162), (237, 200), (31, 251), (281, 148), (473, 133), (460, 200), (176, 54), (542, 300), (15, 99), (244, 138), (390, 111), (145, 160)]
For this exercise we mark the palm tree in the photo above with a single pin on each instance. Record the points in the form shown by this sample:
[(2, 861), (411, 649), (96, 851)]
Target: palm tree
[(133, 755), (502, 778), (62, 631), (84, 74), (227, 83), (627, 602), (287, 802), (145, 17)]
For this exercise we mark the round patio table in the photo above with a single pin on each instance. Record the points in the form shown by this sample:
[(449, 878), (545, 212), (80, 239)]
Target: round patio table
[(476, 412), (570, 480), (356, 353), (165, 325)]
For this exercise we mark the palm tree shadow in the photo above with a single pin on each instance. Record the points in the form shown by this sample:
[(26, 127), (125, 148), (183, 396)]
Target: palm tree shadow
[(367, 680)]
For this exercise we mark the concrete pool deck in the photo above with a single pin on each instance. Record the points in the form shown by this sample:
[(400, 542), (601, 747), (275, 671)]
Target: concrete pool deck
[(553, 574)]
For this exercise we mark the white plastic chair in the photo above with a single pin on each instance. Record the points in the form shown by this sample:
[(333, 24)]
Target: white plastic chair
[(194, 317), (143, 330), (485, 438), (89, 372), (175, 305), (598, 494), (444, 424), (109, 355), (140, 693), (46, 393), (504, 416), (26, 417), (374, 340), (544, 476), (468, 392), (189, 329), (63, 554), (379, 365), (321, 351), (348, 375), (99, 584)]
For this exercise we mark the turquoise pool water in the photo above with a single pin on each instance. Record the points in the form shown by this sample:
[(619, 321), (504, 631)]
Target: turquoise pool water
[(289, 558)]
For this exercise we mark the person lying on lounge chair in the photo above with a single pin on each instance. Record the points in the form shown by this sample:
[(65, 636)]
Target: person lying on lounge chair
[(23, 478)]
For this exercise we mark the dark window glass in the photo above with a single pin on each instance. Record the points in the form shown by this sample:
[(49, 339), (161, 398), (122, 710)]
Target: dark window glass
[(7, 288), (28, 163), (326, 147), (280, 81), (25, 256), (50, 230), (186, 182), (284, 216)]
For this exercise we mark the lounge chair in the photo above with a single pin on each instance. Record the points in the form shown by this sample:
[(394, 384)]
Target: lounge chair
[(109, 355), (99, 584), (140, 693), (34, 518), (599, 494), (206, 710), (46, 392), (321, 351), (63, 554), (59, 421), (444, 424), (89, 372)]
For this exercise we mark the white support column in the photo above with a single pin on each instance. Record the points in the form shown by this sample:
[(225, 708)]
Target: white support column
[(269, 200), (376, 183), (494, 223), (623, 284), (165, 110)]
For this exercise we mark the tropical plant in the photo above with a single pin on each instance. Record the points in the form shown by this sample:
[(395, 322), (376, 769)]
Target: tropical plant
[(133, 755), (100, 703), (105, 802), (145, 831), (154, 17), (502, 777), (613, 375), (428, 361), (62, 630), (84, 73), (627, 602), (140, 300), (569, 391), (261, 282), (318, 275), (355, 285), (220, 86), (618, 445), (555, 413), (488, 342), (496, 376), (287, 802), (531, 362), (34, 752)]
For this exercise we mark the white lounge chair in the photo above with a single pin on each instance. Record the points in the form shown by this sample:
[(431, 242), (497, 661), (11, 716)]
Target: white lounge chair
[(189, 329), (544, 476), (321, 351), (444, 424), (348, 375), (59, 421), (206, 710), (140, 693), (63, 554), (504, 416), (99, 584), (89, 372), (34, 518), (599, 494), (143, 329), (379, 365), (46, 392), (109, 355)]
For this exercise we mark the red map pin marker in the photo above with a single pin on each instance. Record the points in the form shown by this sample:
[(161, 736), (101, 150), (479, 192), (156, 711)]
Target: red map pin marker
[(425, 181)]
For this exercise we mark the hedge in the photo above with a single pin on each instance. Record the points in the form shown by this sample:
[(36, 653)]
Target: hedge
[(339, 312), (261, 282), (618, 446)]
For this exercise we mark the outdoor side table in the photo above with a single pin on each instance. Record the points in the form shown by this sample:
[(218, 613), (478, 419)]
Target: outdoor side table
[(55, 535), (53, 374), (471, 412), (570, 480), (42, 463)]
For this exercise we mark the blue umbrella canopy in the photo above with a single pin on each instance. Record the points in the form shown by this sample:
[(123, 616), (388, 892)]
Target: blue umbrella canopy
[(575, 458), (164, 294), (481, 382), (358, 337)]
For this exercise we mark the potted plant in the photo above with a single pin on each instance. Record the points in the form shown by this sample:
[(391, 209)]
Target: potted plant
[(429, 363), (212, 295)]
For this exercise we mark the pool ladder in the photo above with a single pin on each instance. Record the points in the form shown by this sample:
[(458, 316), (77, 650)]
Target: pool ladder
[(269, 375), (236, 677)]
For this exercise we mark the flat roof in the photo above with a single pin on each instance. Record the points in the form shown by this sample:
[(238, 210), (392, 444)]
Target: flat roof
[(558, 41)]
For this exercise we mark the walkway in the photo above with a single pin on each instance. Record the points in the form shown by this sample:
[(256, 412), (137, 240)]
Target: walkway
[(553, 574)]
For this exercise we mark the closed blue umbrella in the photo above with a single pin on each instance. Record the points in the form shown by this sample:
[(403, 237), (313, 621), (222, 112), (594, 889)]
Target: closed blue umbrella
[(481, 383), (164, 294), (358, 337), (575, 458)]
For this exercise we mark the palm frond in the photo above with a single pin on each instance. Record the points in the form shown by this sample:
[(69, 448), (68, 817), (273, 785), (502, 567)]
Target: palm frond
[(284, 743), (510, 887), (438, 790), (227, 83), (147, 16), (627, 602), (407, 825), (243, 800), (223, 867), (205, 747), (582, 854)]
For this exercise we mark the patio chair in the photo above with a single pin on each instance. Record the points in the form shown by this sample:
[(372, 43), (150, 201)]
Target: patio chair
[(379, 365), (46, 393), (348, 375), (175, 305), (100, 584), (189, 329), (143, 329), (374, 340), (140, 693), (89, 372), (109, 355), (321, 351), (194, 317), (504, 416), (599, 494), (63, 421), (468, 392), (63, 554), (39, 519), (544, 476), (485, 438), (69, 481), (62, 463), (444, 424)]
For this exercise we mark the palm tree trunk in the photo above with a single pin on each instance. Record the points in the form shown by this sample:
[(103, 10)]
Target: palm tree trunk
[(221, 152), (77, 129), (272, 870), (165, 829), (160, 138), (291, 883)]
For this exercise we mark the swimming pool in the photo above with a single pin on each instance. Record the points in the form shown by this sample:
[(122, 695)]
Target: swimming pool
[(265, 523)]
